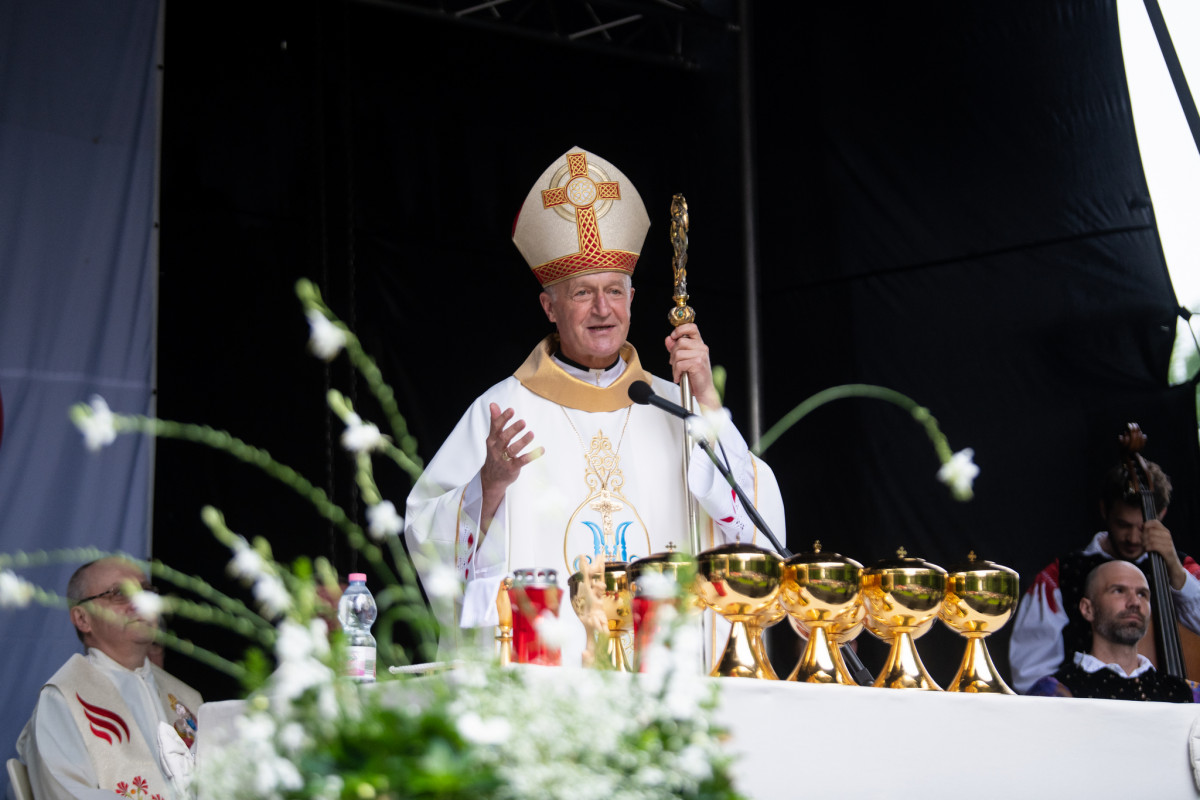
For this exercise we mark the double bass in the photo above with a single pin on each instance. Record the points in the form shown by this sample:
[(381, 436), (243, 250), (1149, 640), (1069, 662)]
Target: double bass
[(1177, 649)]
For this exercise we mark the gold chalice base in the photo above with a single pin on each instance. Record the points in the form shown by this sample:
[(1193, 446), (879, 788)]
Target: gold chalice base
[(977, 604), (741, 583)]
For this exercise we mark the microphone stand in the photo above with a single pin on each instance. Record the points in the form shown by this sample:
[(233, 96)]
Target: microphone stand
[(853, 663)]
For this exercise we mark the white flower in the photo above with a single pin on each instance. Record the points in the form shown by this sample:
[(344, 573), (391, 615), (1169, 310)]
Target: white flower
[(293, 678), (443, 581), (292, 736), (325, 339), (477, 730), (551, 629), (276, 775), (657, 586), (383, 521), (148, 605), (295, 642), (319, 634), (708, 425), (272, 595), (694, 763), (256, 729), (15, 592), (246, 564), (959, 474), (98, 427), (292, 642), (359, 436)]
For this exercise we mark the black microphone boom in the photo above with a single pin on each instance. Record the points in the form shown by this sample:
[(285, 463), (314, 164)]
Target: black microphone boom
[(641, 393)]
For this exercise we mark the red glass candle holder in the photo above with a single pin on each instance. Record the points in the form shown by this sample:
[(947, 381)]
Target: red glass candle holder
[(533, 593)]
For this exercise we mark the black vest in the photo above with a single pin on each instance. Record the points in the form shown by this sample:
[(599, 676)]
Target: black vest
[(1108, 685)]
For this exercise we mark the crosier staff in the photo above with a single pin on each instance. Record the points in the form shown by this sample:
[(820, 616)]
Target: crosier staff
[(682, 314)]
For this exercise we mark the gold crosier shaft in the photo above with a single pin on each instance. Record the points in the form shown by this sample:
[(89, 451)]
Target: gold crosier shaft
[(682, 314)]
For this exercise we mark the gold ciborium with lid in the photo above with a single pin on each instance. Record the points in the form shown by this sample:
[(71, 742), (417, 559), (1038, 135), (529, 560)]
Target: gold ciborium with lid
[(902, 596), (980, 597), (741, 583), (666, 579), (822, 592), (603, 600)]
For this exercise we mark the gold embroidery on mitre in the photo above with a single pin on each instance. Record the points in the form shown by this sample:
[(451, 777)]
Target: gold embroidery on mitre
[(588, 184), (610, 538), (582, 201)]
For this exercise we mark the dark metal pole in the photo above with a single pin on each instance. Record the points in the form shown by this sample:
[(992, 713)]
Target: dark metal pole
[(749, 222)]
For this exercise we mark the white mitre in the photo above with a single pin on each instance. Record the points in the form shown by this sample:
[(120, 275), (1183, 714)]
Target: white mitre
[(581, 216)]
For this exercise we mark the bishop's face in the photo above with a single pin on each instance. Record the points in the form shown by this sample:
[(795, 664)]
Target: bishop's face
[(592, 316)]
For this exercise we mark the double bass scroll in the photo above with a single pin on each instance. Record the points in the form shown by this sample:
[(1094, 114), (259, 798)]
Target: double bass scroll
[(1166, 628)]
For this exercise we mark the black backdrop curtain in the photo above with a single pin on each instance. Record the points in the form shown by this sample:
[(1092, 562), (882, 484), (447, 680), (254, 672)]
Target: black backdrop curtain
[(951, 204)]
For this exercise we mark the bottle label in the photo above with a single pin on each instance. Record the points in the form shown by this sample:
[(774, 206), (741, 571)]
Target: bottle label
[(360, 663)]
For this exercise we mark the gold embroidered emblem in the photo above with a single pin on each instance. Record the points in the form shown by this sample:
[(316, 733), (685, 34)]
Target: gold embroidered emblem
[(605, 535)]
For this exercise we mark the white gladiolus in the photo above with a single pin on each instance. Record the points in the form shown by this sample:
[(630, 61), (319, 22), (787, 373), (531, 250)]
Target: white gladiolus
[(148, 605), (246, 564), (443, 581), (325, 339), (272, 595), (551, 629), (98, 427), (359, 436), (959, 474), (480, 731), (15, 591), (383, 521)]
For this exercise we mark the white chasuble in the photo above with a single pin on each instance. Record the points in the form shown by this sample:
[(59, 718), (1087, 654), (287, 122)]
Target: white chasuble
[(609, 486)]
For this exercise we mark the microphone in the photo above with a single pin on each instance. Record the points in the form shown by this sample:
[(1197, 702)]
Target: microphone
[(698, 427), (641, 393)]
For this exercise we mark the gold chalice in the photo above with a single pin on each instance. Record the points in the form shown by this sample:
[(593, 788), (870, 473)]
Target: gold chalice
[(608, 592), (661, 580), (678, 568), (769, 616), (902, 595), (980, 597), (822, 593), (739, 582)]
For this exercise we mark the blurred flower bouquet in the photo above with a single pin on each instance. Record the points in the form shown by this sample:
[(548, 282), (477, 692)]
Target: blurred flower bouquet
[(477, 730)]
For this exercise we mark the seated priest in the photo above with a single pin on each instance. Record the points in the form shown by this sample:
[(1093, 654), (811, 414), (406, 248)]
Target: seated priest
[(103, 722), (555, 466), (1116, 603)]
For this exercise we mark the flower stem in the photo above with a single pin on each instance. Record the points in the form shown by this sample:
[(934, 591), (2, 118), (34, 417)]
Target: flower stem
[(919, 413)]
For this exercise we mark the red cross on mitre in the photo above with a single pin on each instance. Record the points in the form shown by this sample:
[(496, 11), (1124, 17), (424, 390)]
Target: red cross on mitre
[(582, 193)]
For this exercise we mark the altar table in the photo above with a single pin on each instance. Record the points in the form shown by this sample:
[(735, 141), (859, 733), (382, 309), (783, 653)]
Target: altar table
[(803, 740)]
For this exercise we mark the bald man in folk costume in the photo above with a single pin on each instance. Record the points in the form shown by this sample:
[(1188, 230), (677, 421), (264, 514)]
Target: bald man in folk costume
[(555, 465)]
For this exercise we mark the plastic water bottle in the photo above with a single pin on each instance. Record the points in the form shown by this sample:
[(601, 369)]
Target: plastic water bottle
[(356, 612)]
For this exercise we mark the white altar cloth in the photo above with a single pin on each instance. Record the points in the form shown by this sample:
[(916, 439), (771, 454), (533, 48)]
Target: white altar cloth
[(827, 741), (848, 741)]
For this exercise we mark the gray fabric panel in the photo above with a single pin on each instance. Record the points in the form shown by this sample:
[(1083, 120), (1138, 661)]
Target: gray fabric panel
[(78, 119)]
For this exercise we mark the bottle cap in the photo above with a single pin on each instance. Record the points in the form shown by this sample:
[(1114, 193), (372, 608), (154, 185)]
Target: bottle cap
[(358, 576)]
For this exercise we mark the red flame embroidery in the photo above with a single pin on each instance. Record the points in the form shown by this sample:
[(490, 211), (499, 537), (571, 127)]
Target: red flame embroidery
[(102, 720)]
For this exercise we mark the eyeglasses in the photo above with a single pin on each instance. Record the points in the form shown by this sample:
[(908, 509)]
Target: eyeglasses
[(116, 595)]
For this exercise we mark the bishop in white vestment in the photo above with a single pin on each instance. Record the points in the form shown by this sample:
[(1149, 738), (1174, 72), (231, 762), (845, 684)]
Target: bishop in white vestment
[(555, 465)]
